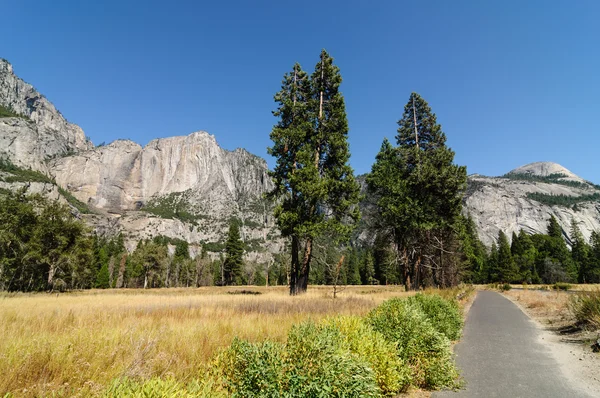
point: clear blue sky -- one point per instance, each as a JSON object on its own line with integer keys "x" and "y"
{"x": 511, "y": 82}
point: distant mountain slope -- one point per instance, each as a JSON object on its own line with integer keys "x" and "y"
{"x": 41, "y": 133}
{"x": 183, "y": 187}
{"x": 526, "y": 197}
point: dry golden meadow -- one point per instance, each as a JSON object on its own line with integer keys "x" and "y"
{"x": 77, "y": 343}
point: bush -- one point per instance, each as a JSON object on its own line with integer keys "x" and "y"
{"x": 561, "y": 286}
{"x": 585, "y": 307}
{"x": 426, "y": 350}
{"x": 445, "y": 315}
{"x": 251, "y": 370}
{"x": 505, "y": 287}
{"x": 320, "y": 363}
{"x": 158, "y": 388}
{"x": 391, "y": 373}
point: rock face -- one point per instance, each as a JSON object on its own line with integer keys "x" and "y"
{"x": 191, "y": 174}
{"x": 141, "y": 192}
{"x": 28, "y": 143}
{"x": 505, "y": 203}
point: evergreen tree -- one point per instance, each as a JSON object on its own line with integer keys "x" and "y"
{"x": 102, "y": 279}
{"x": 474, "y": 252}
{"x": 314, "y": 183}
{"x": 493, "y": 274}
{"x": 524, "y": 253}
{"x": 419, "y": 192}
{"x": 580, "y": 253}
{"x": 507, "y": 271}
{"x": 554, "y": 229}
{"x": 234, "y": 250}
{"x": 367, "y": 271}
{"x": 353, "y": 267}
{"x": 593, "y": 273}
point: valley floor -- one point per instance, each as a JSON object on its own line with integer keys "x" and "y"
{"x": 74, "y": 344}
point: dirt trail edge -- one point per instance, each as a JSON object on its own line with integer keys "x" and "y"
{"x": 501, "y": 355}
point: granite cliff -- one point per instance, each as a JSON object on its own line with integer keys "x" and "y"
{"x": 526, "y": 197}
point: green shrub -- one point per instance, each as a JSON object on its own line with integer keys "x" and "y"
{"x": 391, "y": 373}
{"x": 426, "y": 350}
{"x": 561, "y": 286}
{"x": 251, "y": 370}
{"x": 505, "y": 287}
{"x": 585, "y": 306}
{"x": 445, "y": 315}
{"x": 320, "y": 363}
{"x": 158, "y": 388}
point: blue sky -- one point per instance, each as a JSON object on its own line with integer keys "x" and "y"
{"x": 512, "y": 82}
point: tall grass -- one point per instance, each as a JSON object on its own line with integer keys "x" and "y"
{"x": 77, "y": 344}
{"x": 585, "y": 307}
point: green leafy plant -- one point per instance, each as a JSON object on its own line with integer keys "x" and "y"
{"x": 251, "y": 370}
{"x": 426, "y": 350}
{"x": 320, "y": 364}
{"x": 445, "y": 315}
{"x": 391, "y": 373}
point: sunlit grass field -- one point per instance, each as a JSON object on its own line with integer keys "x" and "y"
{"x": 75, "y": 344}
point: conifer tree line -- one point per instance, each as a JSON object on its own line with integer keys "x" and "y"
{"x": 540, "y": 258}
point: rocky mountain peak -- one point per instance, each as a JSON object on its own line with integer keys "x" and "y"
{"x": 545, "y": 169}
{"x": 45, "y": 134}
{"x": 5, "y": 66}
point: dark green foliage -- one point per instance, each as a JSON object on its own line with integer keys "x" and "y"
{"x": 473, "y": 251}
{"x": 22, "y": 175}
{"x": 234, "y": 250}
{"x": 148, "y": 262}
{"x": 506, "y": 268}
{"x": 419, "y": 195}
{"x": 313, "y": 180}
{"x": 556, "y": 178}
{"x": 103, "y": 278}
{"x": 505, "y": 287}
{"x": 580, "y": 254}
{"x": 173, "y": 206}
{"x": 563, "y": 200}
{"x": 561, "y": 286}
{"x": 73, "y": 201}
{"x": 445, "y": 315}
{"x": 426, "y": 350}
{"x": 6, "y": 111}
{"x": 42, "y": 246}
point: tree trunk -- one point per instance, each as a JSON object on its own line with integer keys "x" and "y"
{"x": 111, "y": 271}
{"x": 121, "y": 277}
{"x": 305, "y": 269}
{"x": 51, "y": 273}
{"x": 295, "y": 266}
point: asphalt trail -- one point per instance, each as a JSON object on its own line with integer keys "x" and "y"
{"x": 500, "y": 355}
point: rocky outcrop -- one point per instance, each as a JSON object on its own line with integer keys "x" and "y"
{"x": 43, "y": 133}
{"x": 146, "y": 188}
{"x": 124, "y": 176}
{"x": 505, "y": 203}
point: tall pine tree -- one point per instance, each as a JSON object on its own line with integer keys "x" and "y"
{"x": 314, "y": 183}
{"x": 234, "y": 250}
{"x": 419, "y": 192}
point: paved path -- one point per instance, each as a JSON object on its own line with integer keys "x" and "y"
{"x": 499, "y": 355}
